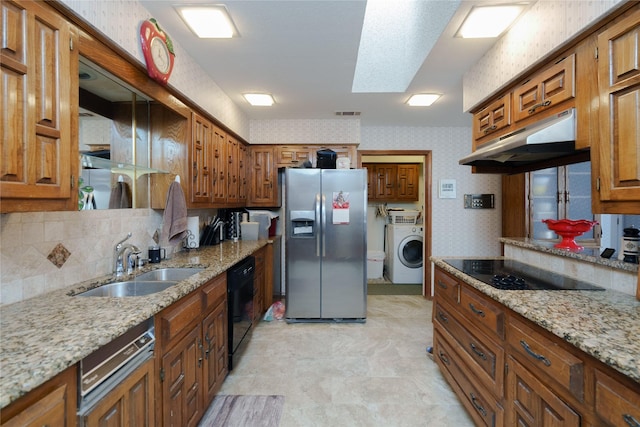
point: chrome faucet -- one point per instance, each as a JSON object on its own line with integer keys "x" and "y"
{"x": 122, "y": 253}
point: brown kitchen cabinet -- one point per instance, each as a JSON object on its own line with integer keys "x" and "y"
{"x": 259, "y": 285}
{"x": 393, "y": 182}
{"x": 507, "y": 369}
{"x": 131, "y": 403}
{"x": 233, "y": 170}
{"x": 545, "y": 90}
{"x": 294, "y": 155}
{"x": 263, "y": 177}
{"x": 492, "y": 119}
{"x": 53, "y": 403}
{"x": 191, "y": 353}
{"x": 39, "y": 71}
{"x": 201, "y": 160}
{"x": 615, "y": 155}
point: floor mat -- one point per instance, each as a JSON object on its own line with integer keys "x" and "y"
{"x": 244, "y": 411}
{"x": 393, "y": 289}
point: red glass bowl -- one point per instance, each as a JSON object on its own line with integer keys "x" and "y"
{"x": 568, "y": 230}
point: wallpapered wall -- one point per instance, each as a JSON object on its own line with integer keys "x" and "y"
{"x": 545, "y": 26}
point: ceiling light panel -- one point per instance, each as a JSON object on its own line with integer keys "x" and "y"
{"x": 396, "y": 38}
{"x": 259, "y": 99}
{"x": 208, "y": 22}
{"x": 423, "y": 99}
{"x": 489, "y": 21}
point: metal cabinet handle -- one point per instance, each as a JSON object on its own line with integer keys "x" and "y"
{"x": 533, "y": 354}
{"x": 442, "y": 317}
{"x": 201, "y": 347}
{"x": 444, "y": 358}
{"x": 630, "y": 419}
{"x": 442, "y": 284}
{"x": 478, "y": 352}
{"x": 476, "y": 311}
{"x": 542, "y": 104}
{"x": 478, "y": 406}
{"x": 208, "y": 350}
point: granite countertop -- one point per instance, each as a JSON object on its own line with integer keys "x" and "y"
{"x": 603, "y": 324}
{"x": 44, "y": 335}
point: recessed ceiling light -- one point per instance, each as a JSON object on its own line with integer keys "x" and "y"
{"x": 423, "y": 99}
{"x": 259, "y": 99}
{"x": 489, "y": 21}
{"x": 208, "y": 22}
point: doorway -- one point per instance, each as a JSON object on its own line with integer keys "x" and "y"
{"x": 425, "y": 156}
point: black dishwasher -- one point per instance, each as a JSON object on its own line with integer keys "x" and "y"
{"x": 240, "y": 306}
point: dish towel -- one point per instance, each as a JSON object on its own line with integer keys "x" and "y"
{"x": 120, "y": 197}
{"x": 174, "y": 219}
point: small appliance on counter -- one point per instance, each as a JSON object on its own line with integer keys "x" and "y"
{"x": 326, "y": 159}
{"x": 631, "y": 245}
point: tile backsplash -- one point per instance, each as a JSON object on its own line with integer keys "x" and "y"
{"x": 44, "y": 251}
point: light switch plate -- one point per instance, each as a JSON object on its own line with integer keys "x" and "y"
{"x": 447, "y": 189}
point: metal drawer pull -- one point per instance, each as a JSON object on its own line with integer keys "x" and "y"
{"x": 444, "y": 358}
{"x": 477, "y": 405}
{"x": 540, "y": 357}
{"x": 490, "y": 129}
{"x": 542, "y": 104}
{"x": 478, "y": 352}
{"x": 442, "y": 317}
{"x": 630, "y": 419}
{"x": 442, "y": 284}
{"x": 476, "y": 311}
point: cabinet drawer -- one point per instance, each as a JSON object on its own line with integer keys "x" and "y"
{"x": 480, "y": 404}
{"x": 484, "y": 357}
{"x": 616, "y": 404}
{"x": 487, "y": 315}
{"x": 214, "y": 292}
{"x": 547, "y": 357}
{"x": 446, "y": 286}
{"x": 174, "y": 320}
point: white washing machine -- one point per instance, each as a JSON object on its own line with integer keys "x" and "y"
{"x": 404, "y": 253}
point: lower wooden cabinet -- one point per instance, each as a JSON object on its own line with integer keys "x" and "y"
{"x": 507, "y": 370}
{"x": 191, "y": 353}
{"x": 130, "y": 404}
{"x": 52, "y": 404}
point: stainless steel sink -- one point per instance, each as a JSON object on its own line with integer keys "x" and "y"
{"x": 172, "y": 274}
{"x": 130, "y": 288}
{"x": 147, "y": 283}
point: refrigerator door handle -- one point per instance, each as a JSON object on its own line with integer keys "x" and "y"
{"x": 323, "y": 208}
{"x": 317, "y": 209}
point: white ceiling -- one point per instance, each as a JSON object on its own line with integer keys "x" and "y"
{"x": 304, "y": 53}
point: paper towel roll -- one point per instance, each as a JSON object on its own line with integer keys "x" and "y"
{"x": 192, "y": 240}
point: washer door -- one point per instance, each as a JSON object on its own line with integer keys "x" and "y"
{"x": 410, "y": 251}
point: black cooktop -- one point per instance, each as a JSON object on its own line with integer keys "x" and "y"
{"x": 513, "y": 275}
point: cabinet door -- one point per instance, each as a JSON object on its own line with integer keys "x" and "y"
{"x": 39, "y": 71}
{"x": 531, "y": 403}
{"x": 201, "y": 155}
{"x": 264, "y": 178}
{"x": 294, "y": 155}
{"x": 618, "y": 153}
{"x": 180, "y": 373}
{"x": 233, "y": 170}
{"x": 617, "y": 404}
{"x": 545, "y": 90}
{"x": 129, "y": 404}
{"x": 53, "y": 404}
{"x": 219, "y": 165}
{"x": 493, "y": 118}
{"x": 407, "y": 180}
{"x": 214, "y": 366}
{"x": 258, "y": 285}
{"x": 243, "y": 170}
{"x": 385, "y": 181}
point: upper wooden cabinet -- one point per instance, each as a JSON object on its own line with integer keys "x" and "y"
{"x": 545, "y": 89}
{"x": 39, "y": 74}
{"x": 616, "y": 153}
{"x": 201, "y": 159}
{"x": 393, "y": 182}
{"x": 294, "y": 155}
{"x": 264, "y": 190}
{"x": 492, "y": 118}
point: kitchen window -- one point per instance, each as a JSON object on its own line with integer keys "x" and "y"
{"x": 561, "y": 192}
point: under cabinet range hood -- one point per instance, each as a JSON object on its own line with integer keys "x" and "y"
{"x": 550, "y": 138}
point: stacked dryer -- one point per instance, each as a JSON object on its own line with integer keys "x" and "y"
{"x": 404, "y": 253}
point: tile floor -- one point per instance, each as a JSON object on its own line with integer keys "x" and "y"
{"x": 372, "y": 374}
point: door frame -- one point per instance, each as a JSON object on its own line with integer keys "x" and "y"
{"x": 427, "y": 214}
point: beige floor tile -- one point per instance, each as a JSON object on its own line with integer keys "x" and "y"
{"x": 372, "y": 374}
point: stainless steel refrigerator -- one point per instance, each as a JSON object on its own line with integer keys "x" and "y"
{"x": 326, "y": 245}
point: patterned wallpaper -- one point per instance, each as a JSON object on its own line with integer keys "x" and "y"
{"x": 545, "y": 26}
{"x": 313, "y": 132}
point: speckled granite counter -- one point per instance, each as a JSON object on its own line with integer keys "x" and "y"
{"x": 605, "y": 325}
{"x": 42, "y": 336}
